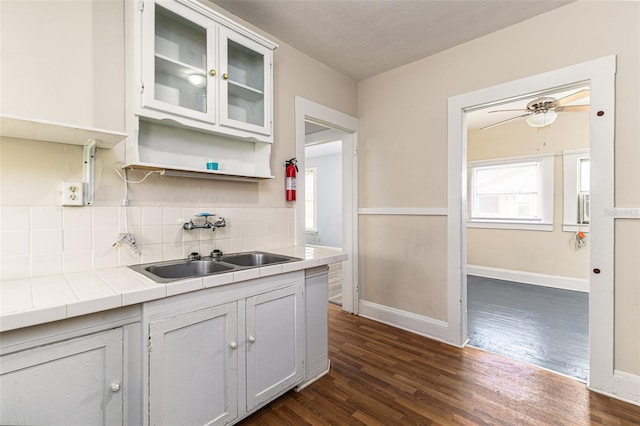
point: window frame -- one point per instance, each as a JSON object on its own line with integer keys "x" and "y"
{"x": 570, "y": 166}
{"x": 546, "y": 165}
{"x": 314, "y": 192}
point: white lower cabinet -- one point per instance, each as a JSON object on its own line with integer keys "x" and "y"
{"x": 193, "y": 367}
{"x": 48, "y": 378}
{"x": 216, "y": 355}
{"x": 274, "y": 343}
{"x": 76, "y": 382}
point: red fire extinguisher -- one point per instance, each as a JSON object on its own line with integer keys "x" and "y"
{"x": 291, "y": 168}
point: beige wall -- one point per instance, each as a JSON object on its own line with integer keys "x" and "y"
{"x": 397, "y": 258}
{"x": 403, "y": 138}
{"x": 541, "y": 252}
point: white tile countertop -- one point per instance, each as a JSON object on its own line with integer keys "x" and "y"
{"x": 38, "y": 300}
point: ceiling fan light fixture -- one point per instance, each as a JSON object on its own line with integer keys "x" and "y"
{"x": 541, "y": 119}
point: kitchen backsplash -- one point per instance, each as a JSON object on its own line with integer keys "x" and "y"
{"x": 41, "y": 240}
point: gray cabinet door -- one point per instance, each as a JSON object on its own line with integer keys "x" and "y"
{"x": 193, "y": 363}
{"x": 75, "y": 382}
{"x": 274, "y": 343}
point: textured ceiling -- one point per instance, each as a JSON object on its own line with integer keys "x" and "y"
{"x": 362, "y": 38}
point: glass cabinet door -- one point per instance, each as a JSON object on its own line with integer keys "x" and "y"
{"x": 245, "y": 91}
{"x": 178, "y": 68}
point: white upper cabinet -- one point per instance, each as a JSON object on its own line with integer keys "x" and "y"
{"x": 245, "y": 88}
{"x": 204, "y": 72}
{"x": 179, "y": 70}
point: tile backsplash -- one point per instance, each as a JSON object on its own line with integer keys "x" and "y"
{"x": 38, "y": 241}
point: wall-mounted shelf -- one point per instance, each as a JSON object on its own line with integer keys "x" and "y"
{"x": 195, "y": 173}
{"x": 50, "y": 131}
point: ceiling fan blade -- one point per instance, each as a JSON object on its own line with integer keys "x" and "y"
{"x": 573, "y": 108}
{"x": 503, "y": 121}
{"x": 573, "y": 97}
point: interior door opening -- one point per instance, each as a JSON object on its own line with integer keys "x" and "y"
{"x": 323, "y": 196}
{"x": 528, "y": 271}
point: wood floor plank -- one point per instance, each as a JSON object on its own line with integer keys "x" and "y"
{"x": 381, "y": 375}
{"x": 543, "y": 326}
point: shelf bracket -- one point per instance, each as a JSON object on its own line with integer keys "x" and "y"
{"x": 88, "y": 169}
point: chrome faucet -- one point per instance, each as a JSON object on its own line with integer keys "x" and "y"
{"x": 220, "y": 223}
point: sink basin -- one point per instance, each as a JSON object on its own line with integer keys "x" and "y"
{"x": 192, "y": 268}
{"x": 253, "y": 259}
{"x": 165, "y": 272}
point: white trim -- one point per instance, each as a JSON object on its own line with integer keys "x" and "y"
{"x": 600, "y": 75}
{"x": 570, "y": 189}
{"x": 544, "y": 280}
{"x": 404, "y": 211}
{"x": 626, "y": 386}
{"x": 526, "y": 226}
{"x": 425, "y": 326}
{"x": 623, "y": 213}
{"x": 511, "y": 160}
{"x": 575, "y": 228}
{"x": 320, "y": 114}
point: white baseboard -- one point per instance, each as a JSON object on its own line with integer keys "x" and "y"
{"x": 626, "y": 386}
{"x": 555, "y": 281}
{"x": 425, "y": 326}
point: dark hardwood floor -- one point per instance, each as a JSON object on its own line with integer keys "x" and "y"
{"x": 381, "y": 375}
{"x": 547, "y": 327}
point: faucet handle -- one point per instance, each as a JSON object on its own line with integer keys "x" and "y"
{"x": 205, "y": 215}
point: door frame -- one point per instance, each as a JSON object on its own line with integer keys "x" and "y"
{"x": 600, "y": 74}
{"x": 306, "y": 110}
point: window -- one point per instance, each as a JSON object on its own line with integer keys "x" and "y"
{"x": 511, "y": 193}
{"x": 310, "y": 199}
{"x": 577, "y": 184}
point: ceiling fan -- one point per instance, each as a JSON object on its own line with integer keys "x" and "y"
{"x": 543, "y": 111}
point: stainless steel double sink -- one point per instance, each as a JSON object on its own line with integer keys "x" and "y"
{"x": 164, "y": 272}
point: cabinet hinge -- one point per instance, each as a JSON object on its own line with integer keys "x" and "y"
{"x": 149, "y": 345}
{"x": 141, "y": 6}
{"x": 141, "y": 87}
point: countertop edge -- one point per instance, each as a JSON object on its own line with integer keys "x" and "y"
{"x": 121, "y": 286}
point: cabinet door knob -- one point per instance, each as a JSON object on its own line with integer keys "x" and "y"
{"x": 233, "y": 345}
{"x": 252, "y": 339}
{"x": 212, "y": 73}
{"x": 115, "y": 387}
{"x": 225, "y": 76}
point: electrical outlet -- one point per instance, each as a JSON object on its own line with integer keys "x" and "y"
{"x": 72, "y": 194}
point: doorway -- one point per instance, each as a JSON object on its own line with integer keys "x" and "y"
{"x": 315, "y": 118}
{"x": 527, "y": 241}
{"x": 323, "y": 196}
{"x": 600, "y": 74}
